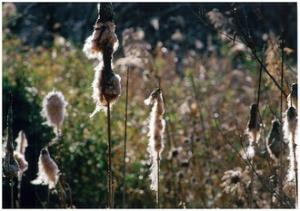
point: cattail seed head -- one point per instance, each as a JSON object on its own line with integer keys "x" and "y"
{"x": 253, "y": 124}
{"x": 293, "y": 96}
{"x": 48, "y": 173}
{"x": 156, "y": 130}
{"x": 289, "y": 129}
{"x": 291, "y": 116}
{"x": 105, "y": 91}
{"x": 22, "y": 163}
{"x": 10, "y": 166}
{"x": 102, "y": 44}
{"x": 19, "y": 153}
{"x": 274, "y": 140}
{"x": 22, "y": 143}
{"x": 54, "y": 105}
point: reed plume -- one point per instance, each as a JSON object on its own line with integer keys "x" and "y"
{"x": 48, "y": 173}
{"x": 156, "y": 131}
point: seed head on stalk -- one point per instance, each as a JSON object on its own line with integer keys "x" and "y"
{"x": 54, "y": 109}
{"x": 48, "y": 173}
{"x": 290, "y": 129}
{"x": 10, "y": 165}
{"x": 274, "y": 140}
{"x": 293, "y": 96}
{"x": 156, "y": 130}
{"x": 253, "y": 131}
{"x": 253, "y": 128}
{"x": 101, "y": 45}
{"x": 19, "y": 153}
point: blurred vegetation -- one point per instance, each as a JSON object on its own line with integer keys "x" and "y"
{"x": 205, "y": 89}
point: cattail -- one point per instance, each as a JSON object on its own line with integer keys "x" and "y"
{"x": 48, "y": 173}
{"x": 106, "y": 84}
{"x": 54, "y": 106}
{"x": 274, "y": 140}
{"x": 102, "y": 44}
{"x": 156, "y": 130}
{"x": 253, "y": 131}
{"x": 290, "y": 126}
{"x": 253, "y": 124}
{"x": 293, "y": 96}
{"x": 106, "y": 89}
{"x": 10, "y": 164}
{"x": 104, "y": 34}
{"x": 19, "y": 153}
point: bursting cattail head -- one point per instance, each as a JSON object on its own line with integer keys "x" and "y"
{"x": 103, "y": 34}
{"x": 293, "y": 96}
{"x": 290, "y": 128}
{"x": 105, "y": 89}
{"x": 22, "y": 143}
{"x": 253, "y": 124}
{"x": 157, "y": 122}
{"x": 54, "y": 106}
{"x": 48, "y": 173}
{"x": 19, "y": 153}
{"x": 102, "y": 44}
{"x": 274, "y": 140}
{"x": 22, "y": 163}
{"x": 290, "y": 122}
{"x": 10, "y": 165}
{"x": 156, "y": 130}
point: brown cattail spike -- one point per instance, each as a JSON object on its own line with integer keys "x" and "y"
{"x": 293, "y": 96}
{"x": 274, "y": 140}
{"x": 253, "y": 127}
{"x": 10, "y": 165}
{"x": 253, "y": 123}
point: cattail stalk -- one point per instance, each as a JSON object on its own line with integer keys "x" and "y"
{"x": 125, "y": 139}
{"x": 106, "y": 85}
{"x": 295, "y": 167}
{"x": 109, "y": 174}
{"x": 157, "y": 192}
{"x": 280, "y": 185}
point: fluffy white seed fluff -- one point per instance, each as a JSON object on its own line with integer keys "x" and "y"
{"x": 156, "y": 131}
{"x": 290, "y": 133}
{"x": 54, "y": 106}
{"x": 101, "y": 95}
{"x": 22, "y": 142}
{"x": 48, "y": 173}
{"x": 103, "y": 33}
{"x": 19, "y": 153}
